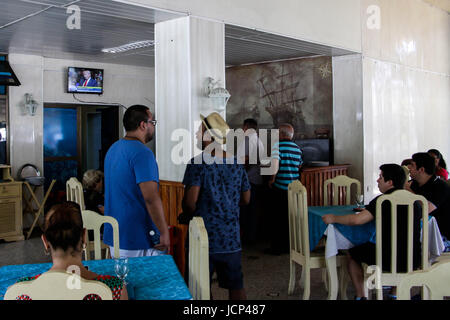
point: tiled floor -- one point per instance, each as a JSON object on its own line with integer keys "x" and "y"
{"x": 266, "y": 277}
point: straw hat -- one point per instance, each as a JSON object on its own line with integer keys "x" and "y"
{"x": 216, "y": 126}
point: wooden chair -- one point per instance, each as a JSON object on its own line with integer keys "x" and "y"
{"x": 58, "y": 285}
{"x": 436, "y": 280}
{"x": 74, "y": 192}
{"x": 93, "y": 221}
{"x": 299, "y": 241}
{"x": 340, "y": 181}
{"x": 393, "y": 278}
{"x": 198, "y": 260}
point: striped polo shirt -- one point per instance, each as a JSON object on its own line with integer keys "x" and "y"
{"x": 290, "y": 156}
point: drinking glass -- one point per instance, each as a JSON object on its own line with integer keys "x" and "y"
{"x": 360, "y": 201}
{"x": 121, "y": 268}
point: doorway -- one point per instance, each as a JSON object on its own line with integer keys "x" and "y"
{"x": 76, "y": 139}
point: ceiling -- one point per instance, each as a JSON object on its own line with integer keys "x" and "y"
{"x": 39, "y": 27}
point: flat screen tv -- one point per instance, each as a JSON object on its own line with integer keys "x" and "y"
{"x": 84, "y": 80}
{"x": 316, "y": 152}
{"x": 7, "y": 76}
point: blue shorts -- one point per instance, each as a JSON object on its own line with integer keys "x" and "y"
{"x": 228, "y": 269}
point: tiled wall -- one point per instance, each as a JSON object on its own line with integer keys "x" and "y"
{"x": 406, "y": 81}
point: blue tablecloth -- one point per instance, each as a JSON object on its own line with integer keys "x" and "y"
{"x": 150, "y": 278}
{"x": 355, "y": 234}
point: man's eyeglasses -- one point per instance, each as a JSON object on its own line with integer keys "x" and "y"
{"x": 153, "y": 122}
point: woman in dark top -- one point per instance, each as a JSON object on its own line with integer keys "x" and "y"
{"x": 441, "y": 166}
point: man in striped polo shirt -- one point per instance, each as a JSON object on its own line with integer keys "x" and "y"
{"x": 287, "y": 161}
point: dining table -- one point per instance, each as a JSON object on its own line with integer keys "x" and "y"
{"x": 342, "y": 237}
{"x": 149, "y": 278}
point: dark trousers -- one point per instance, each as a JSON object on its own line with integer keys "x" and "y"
{"x": 248, "y": 217}
{"x": 279, "y": 233}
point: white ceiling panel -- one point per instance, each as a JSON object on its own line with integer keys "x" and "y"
{"x": 39, "y": 27}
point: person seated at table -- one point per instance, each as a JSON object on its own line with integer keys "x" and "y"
{"x": 435, "y": 190}
{"x": 93, "y": 191}
{"x": 441, "y": 166}
{"x": 392, "y": 178}
{"x": 63, "y": 238}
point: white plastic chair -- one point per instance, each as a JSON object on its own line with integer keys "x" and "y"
{"x": 198, "y": 260}
{"x": 340, "y": 181}
{"x": 393, "y": 278}
{"x": 299, "y": 242}
{"x": 58, "y": 285}
{"x": 93, "y": 221}
{"x": 74, "y": 192}
{"x": 436, "y": 280}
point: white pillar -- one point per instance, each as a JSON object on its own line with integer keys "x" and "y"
{"x": 187, "y": 51}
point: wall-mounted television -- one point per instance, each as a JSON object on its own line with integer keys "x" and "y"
{"x": 84, "y": 80}
{"x": 316, "y": 152}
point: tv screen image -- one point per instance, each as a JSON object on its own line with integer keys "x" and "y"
{"x": 85, "y": 80}
{"x": 316, "y": 152}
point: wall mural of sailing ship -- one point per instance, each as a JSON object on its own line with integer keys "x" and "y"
{"x": 298, "y": 92}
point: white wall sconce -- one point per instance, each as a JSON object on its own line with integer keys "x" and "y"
{"x": 219, "y": 95}
{"x": 30, "y": 104}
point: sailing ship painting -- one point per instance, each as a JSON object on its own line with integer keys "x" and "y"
{"x": 284, "y": 104}
{"x": 298, "y": 92}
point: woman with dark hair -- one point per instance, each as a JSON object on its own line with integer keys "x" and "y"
{"x": 441, "y": 166}
{"x": 64, "y": 238}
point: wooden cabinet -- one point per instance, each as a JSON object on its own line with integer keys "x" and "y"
{"x": 11, "y": 211}
{"x": 171, "y": 195}
{"x": 313, "y": 178}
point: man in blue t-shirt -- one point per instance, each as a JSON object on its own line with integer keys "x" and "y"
{"x": 131, "y": 189}
{"x": 287, "y": 161}
{"x": 215, "y": 187}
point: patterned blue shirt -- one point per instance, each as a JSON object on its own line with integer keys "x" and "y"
{"x": 290, "y": 156}
{"x": 218, "y": 202}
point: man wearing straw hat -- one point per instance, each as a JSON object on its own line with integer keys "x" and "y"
{"x": 215, "y": 186}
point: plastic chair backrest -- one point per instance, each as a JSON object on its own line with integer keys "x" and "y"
{"x": 298, "y": 218}
{"x": 93, "y": 221}
{"x": 198, "y": 260}
{"x": 74, "y": 192}
{"x": 401, "y": 197}
{"x": 436, "y": 279}
{"x": 340, "y": 181}
{"x": 58, "y": 285}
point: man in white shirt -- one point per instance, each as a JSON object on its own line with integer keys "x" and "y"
{"x": 248, "y": 154}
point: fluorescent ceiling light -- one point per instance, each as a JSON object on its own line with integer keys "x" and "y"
{"x": 130, "y": 46}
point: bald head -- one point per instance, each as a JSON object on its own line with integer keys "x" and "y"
{"x": 286, "y": 131}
